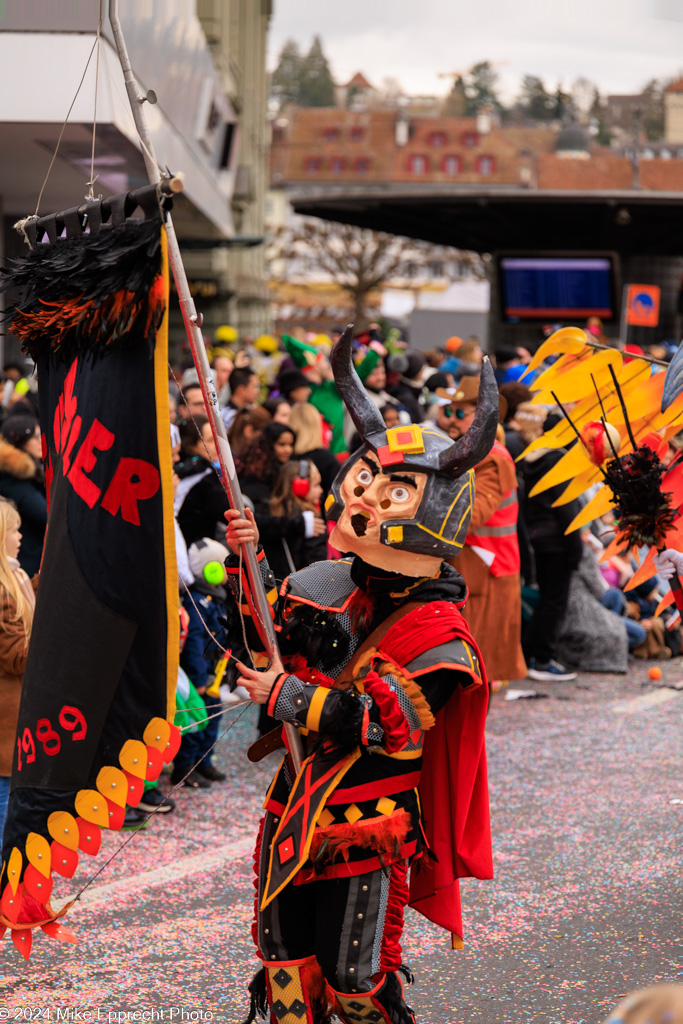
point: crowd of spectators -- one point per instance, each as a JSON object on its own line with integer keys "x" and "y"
{"x": 541, "y": 601}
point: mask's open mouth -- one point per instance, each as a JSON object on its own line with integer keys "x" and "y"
{"x": 359, "y": 523}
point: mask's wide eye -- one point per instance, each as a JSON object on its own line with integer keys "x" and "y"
{"x": 399, "y": 494}
{"x": 364, "y": 477}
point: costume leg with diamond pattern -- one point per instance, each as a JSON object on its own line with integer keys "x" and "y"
{"x": 383, "y": 1005}
{"x": 337, "y": 925}
{"x": 339, "y": 921}
{"x": 296, "y": 992}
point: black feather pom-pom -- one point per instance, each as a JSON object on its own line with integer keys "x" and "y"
{"x": 643, "y": 512}
{"x": 314, "y": 633}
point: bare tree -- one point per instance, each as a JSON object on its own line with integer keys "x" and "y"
{"x": 390, "y": 92}
{"x": 360, "y": 260}
{"x": 583, "y": 94}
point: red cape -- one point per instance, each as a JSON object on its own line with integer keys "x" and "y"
{"x": 454, "y": 785}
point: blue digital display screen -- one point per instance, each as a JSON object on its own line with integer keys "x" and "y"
{"x": 556, "y": 287}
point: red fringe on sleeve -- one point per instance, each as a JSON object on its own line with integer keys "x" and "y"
{"x": 391, "y": 718}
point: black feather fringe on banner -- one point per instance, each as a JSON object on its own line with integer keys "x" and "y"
{"x": 86, "y": 296}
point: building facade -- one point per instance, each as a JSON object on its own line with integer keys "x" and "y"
{"x": 202, "y": 124}
{"x": 237, "y": 31}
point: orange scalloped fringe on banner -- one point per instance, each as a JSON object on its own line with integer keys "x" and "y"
{"x": 24, "y": 903}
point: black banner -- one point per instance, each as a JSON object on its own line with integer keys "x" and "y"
{"x": 99, "y": 689}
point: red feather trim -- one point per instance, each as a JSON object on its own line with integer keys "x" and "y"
{"x": 107, "y": 320}
{"x": 391, "y": 954}
{"x": 384, "y": 835}
{"x": 320, "y": 997}
{"x": 257, "y": 861}
{"x": 392, "y": 719}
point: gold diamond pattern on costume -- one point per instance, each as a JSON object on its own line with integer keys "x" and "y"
{"x": 288, "y": 1002}
{"x": 326, "y": 818}
{"x": 360, "y": 1008}
{"x": 353, "y": 813}
{"x": 385, "y": 806}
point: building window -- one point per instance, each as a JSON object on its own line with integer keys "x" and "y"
{"x": 437, "y": 140}
{"x": 418, "y": 164}
{"x": 337, "y": 164}
{"x": 331, "y": 134}
{"x": 486, "y": 165}
{"x": 313, "y": 164}
{"x": 362, "y": 165}
{"x": 451, "y": 164}
{"x": 357, "y": 134}
{"x": 470, "y": 139}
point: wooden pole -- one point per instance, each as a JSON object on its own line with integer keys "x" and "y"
{"x": 192, "y": 321}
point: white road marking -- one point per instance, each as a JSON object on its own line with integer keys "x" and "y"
{"x": 98, "y": 896}
{"x": 645, "y": 701}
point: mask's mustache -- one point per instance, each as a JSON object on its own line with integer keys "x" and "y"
{"x": 359, "y": 523}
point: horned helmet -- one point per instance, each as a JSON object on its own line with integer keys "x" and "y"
{"x": 422, "y": 501}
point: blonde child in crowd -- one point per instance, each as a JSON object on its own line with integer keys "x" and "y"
{"x": 17, "y": 602}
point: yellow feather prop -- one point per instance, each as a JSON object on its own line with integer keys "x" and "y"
{"x": 573, "y": 462}
{"x": 576, "y": 384}
{"x": 573, "y": 378}
{"x": 579, "y": 485}
{"x": 599, "y": 504}
{"x": 567, "y": 339}
{"x": 563, "y": 366}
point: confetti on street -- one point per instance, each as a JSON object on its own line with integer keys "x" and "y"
{"x": 586, "y": 809}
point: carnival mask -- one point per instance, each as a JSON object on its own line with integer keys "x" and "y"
{"x": 403, "y": 501}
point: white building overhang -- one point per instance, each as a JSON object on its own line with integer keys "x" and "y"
{"x": 39, "y": 77}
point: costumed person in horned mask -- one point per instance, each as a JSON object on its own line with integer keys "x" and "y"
{"x": 385, "y": 682}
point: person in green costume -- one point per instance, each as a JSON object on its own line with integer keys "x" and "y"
{"x": 325, "y": 396}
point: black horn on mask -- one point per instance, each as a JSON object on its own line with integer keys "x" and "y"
{"x": 475, "y": 445}
{"x": 365, "y": 415}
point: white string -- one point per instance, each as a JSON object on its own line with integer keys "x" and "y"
{"x": 54, "y": 155}
{"x": 91, "y": 183}
{"x": 217, "y": 714}
{"x": 241, "y": 588}
{"x": 156, "y": 810}
{"x": 199, "y": 433}
{"x": 226, "y": 651}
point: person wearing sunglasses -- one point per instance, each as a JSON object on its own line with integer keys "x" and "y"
{"x": 450, "y": 418}
{"x": 489, "y": 561}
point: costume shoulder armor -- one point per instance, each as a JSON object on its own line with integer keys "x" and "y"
{"x": 323, "y": 584}
{"x": 455, "y": 654}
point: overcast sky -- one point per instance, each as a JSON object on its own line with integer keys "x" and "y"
{"x": 619, "y": 44}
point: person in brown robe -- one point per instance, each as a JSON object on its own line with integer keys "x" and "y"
{"x": 489, "y": 561}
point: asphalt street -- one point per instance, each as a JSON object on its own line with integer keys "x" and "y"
{"x": 587, "y": 810}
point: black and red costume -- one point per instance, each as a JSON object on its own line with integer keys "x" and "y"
{"x": 384, "y": 680}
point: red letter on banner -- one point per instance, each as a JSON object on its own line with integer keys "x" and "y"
{"x": 133, "y": 481}
{"x": 98, "y": 437}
